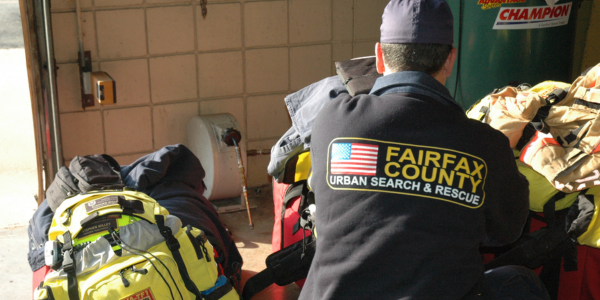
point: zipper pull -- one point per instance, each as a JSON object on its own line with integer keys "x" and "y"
{"x": 140, "y": 271}
{"x": 66, "y": 216}
{"x": 125, "y": 281}
{"x": 203, "y": 240}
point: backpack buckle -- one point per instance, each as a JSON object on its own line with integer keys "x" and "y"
{"x": 67, "y": 263}
{"x": 171, "y": 241}
{"x": 53, "y": 255}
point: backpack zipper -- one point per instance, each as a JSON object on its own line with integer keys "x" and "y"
{"x": 202, "y": 241}
{"x": 125, "y": 281}
{"x": 64, "y": 219}
{"x": 198, "y": 242}
{"x": 133, "y": 269}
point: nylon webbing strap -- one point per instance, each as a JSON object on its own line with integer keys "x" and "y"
{"x": 174, "y": 246}
{"x": 550, "y": 273}
{"x": 587, "y": 104}
{"x": 69, "y": 266}
{"x": 195, "y": 242}
{"x": 556, "y": 96}
{"x": 293, "y": 191}
{"x": 258, "y": 283}
{"x": 131, "y": 206}
{"x": 49, "y": 293}
{"x": 217, "y": 245}
{"x": 301, "y": 207}
{"x": 541, "y": 247}
{"x": 573, "y": 134}
{"x": 550, "y": 209}
{"x": 89, "y": 219}
{"x": 283, "y": 267}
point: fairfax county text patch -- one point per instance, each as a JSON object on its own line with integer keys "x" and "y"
{"x": 379, "y": 166}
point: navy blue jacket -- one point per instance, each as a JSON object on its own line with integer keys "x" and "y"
{"x": 407, "y": 189}
{"x": 173, "y": 177}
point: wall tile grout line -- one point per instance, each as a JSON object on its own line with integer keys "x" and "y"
{"x": 180, "y": 101}
{"x": 353, "y": 21}
{"x": 244, "y": 75}
{"x": 126, "y": 7}
{"x": 196, "y": 24}
{"x": 320, "y": 43}
{"x": 144, "y": 3}
{"x": 353, "y": 24}
{"x": 99, "y": 61}
{"x": 289, "y": 49}
{"x": 190, "y": 100}
{"x": 332, "y": 63}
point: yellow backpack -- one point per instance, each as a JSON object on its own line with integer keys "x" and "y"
{"x": 122, "y": 244}
{"x": 583, "y": 221}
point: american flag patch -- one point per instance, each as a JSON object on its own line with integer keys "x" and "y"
{"x": 354, "y": 159}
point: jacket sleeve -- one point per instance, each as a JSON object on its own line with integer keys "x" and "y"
{"x": 508, "y": 208}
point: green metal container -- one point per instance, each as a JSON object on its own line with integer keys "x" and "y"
{"x": 502, "y": 42}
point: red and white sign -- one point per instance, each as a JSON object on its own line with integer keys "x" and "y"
{"x": 533, "y": 17}
{"x": 141, "y": 295}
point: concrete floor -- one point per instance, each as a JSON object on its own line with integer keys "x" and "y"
{"x": 11, "y": 34}
{"x": 18, "y": 179}
{"x": 255, "y": 244}
{"x": 15, "y": 274}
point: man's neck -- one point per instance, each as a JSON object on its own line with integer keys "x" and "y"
{"x": 439, "y": 76}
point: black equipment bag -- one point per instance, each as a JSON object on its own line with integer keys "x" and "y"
{"x": 283, "y": 267}
{"x": 359, "y": 74}
{"x": 85, "y": 173}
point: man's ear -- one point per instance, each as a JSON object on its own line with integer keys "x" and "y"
{"x": 449, "y": 64}
{"x": 379, "y": 59}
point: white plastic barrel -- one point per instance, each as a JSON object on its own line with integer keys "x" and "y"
{"x": 219, "y": 160}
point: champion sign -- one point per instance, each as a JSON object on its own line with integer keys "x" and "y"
{"x": 533, "y": 17}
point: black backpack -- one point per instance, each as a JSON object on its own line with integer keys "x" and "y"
{"x": 85, "y": 173}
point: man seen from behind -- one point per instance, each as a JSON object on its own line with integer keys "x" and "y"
{"x": 407, "y": 187}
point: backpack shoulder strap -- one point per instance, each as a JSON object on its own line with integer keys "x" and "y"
{"x": 548, "y": 247}
{"x": 69, "y": 267}
{"x": 173, "y": 245}
{"x": 283, "y": 267}
{"x": 296, "y": 189}
{"x": 540, "y": 247}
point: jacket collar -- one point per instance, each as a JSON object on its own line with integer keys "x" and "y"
{"x": 415, "y": 82}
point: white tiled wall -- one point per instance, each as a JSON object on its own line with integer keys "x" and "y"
{"x": 221, "y": 29}
{"x": 128, "y": 130}
{"x": 170, "y": 63}
{"x": 173, "y": 78}
{"x": 121, "y": 33}
{"x": 220, "y": 74}
{"x": 265, "y": 23}
{"x": 267, "y": 70}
